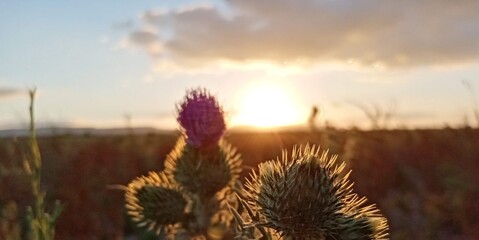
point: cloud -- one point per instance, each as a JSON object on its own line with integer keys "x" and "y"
{"x": 386, "y": 33}
{"x": 10, "y": 92}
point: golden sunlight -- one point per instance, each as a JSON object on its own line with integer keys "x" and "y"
{"x": 268, "y": 105}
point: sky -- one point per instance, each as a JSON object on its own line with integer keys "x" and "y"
{"x": 99, "y": 63}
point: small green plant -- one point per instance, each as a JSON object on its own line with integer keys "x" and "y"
{"x": 41, "y": 223}
{"x": 198, "y": 194}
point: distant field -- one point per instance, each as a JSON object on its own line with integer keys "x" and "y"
{"x": 424, "y": 181}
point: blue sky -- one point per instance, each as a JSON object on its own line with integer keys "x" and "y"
{"x": 95, "y": 61}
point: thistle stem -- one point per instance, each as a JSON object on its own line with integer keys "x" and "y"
{"x": 201, "y": 214}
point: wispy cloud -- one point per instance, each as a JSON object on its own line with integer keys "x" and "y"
{"x": 404, "y": 33}
{"x": 10, "y": 92}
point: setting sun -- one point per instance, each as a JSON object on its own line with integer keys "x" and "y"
{"x": 268, "y": 105}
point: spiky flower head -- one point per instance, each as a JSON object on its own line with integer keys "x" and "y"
{"x": 203, "y": 173}
{"x": 309, "y": 197}
{"x": 153, "y": 201}
{"x": 201, "y": 117}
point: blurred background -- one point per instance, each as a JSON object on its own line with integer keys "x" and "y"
{"x": 389, "y": 86}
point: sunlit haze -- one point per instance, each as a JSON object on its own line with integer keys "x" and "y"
{"x": 268, "y": 105}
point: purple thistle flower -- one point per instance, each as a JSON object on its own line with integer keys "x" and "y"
{"x": 201, "y": 118}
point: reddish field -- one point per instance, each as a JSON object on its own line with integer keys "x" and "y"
{"x": 424, "y": 181}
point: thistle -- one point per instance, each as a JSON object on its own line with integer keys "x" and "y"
{"x": 190, "y": 196}
{"x": 199, "y": 154}
{"x": 201, "y": 118}
{"x": 203, "y": 172}
{"x": 309, "y": 197}
{"x": 305, "y": 196}
{"x": 154, "y": 202}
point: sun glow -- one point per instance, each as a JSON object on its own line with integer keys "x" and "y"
{"x": 268, "y": 105}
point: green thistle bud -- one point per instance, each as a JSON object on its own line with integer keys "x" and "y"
{"x": 308, "y": 197}
{"x": 154, "y": 202}
{"x": 203, "y": 172}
